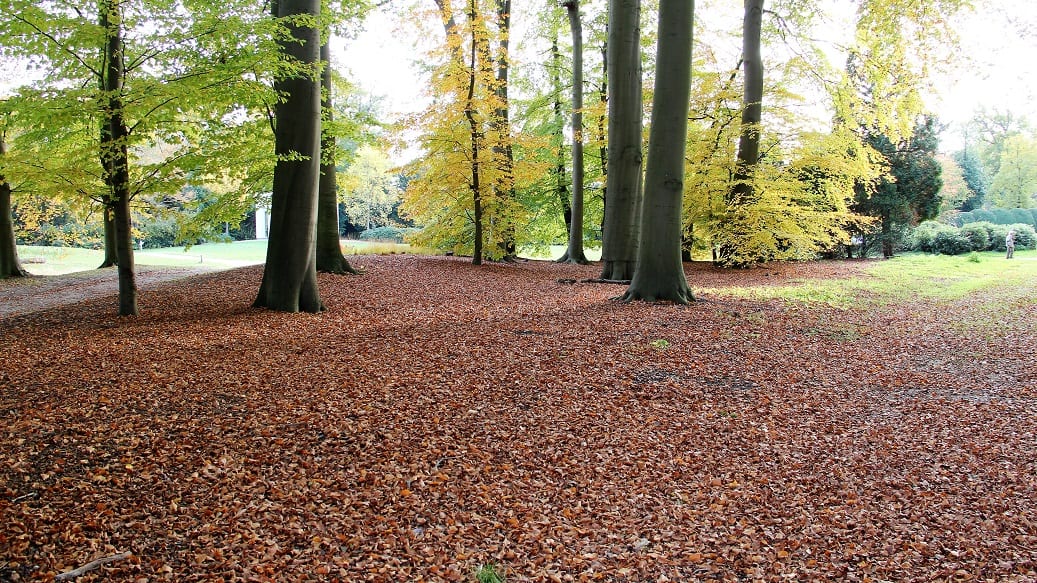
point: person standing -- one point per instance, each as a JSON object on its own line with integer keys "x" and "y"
{"x": 1010, "y": 244}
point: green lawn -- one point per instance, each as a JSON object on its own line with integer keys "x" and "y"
{"x": 59, "y": 260}
{"x": 911, "y": 275}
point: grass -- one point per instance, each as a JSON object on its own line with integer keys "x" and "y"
{"x": 60, "y": 260}
{"x": 488, "y": 574}
{"x": 940, "y": 278}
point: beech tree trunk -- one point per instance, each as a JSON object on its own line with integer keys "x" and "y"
{"x": 559, "y": 133}
{"x": 742, "y": 193}
{"x": 476, "y": 138}
{"x": 111, "y": 257}
{"x": 660, "y": 273}
{"x": 574, "y": 253}
{"x": 290, "y": 276}
{"x": 115, "y": 154}
{"x": 623, "y": 184}
{"x": 329, "y": 246}
{"x": 504, "y": 152}
{"x": 9, "y": 264}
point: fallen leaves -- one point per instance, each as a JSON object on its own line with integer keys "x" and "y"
{"x": 440, "y": 417}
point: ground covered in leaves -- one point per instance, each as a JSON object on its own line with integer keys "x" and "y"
{"x": 440, "y": 417}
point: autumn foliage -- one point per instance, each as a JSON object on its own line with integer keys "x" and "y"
{"x": 438, "y": 417}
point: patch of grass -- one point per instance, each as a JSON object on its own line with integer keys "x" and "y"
{"x": 58, "y": 260}
{"x": 381, "y": 248}
{"x": 660, "y": 344}
{"x": 939, "y": 278}
{"x": 488, "y": 574}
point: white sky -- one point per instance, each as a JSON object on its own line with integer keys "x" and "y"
{"x": 997, "y": 64}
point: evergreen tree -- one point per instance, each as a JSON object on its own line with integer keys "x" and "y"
{"x": 975, "y": 179}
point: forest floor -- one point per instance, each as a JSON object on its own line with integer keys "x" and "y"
{"x": 440, "y": 418}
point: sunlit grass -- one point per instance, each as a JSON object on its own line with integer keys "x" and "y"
{"x": 939, "y": 278}
{"x": 60, "y": 260}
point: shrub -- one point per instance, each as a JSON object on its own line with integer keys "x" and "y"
{"x": 159, "y": 233}
{"x": 1021, "y": 216}
{"x": 950, "y": 241}
{"x": 982, "y": 215}
{"x": 1025, "y": 236}
{"x": 387, "y": 234}
{"x": 977, "y": 234}
{"x": 965, "y": 218}
{"x": 923, "y": 235}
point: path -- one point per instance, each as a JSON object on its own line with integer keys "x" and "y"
{"x": 21, "y": 296}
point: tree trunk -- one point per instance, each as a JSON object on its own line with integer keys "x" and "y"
{"x": 602, "y": 137}
{"x": 115, "y": 155}
{"x": 623, "y": 184}
{"x": 574, "y": 253}
{"x": 9, "y": 264}
{"x": 504, "y": 152}
{"x": 329, "y": 247}
{"x": 660, "y": 273}
{"x": 111, "y": 257}
{"x": 476, "y": 137}
{"x": 742, "y": 193}
{"x": 290, "y": 277}
{"x": 560, "y": 177}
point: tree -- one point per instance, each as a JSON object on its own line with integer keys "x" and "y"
{"x": 290, "y": 277}
{"x": 9, "y": 264}
{"x": 1015, "y": 185}
{"x": 975, "y": 179}
{"x": 574, "y": 253}
{"x": 370, "y": 191}
{"x": 328, "y": 246}
{"x": 660, "y": 274}
{"x": 623, "y": 187}
{"x": 130, "y": 78}
{"x": 742, "y": 194}
{"x": 911, "y": 192}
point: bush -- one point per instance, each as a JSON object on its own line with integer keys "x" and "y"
{"x": 978, "y": 236}
{"x": 923, "y": 235}
{"x": 1021, "y": 216}
{"x": 159, "y": 233}
{"x": 1025, "y": 236}
{"x": 951, "y": 241}
{"x": 983, "y": 216}
{"x": 387, "y": 234}
{"x": 965, "y": 218}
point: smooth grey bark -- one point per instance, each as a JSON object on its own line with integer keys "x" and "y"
{"x": 114, "y": 154}
{"x": 502, "y": 121}
{"x": 9, "y": 264}
{"x": 574, "y": 253}
{"x": 290, "y": 276}
{"x": 623, "y": 184}
{"x": 660, "y": 273}
{"x": 328, "y": 247}
{"x": 111, "y": 257}
{"x": 742, "y": 192}
{"x": 561, "y": 181}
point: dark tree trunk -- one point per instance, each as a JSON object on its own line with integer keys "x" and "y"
{"x": 559, "y": 135}
{"x": 115, "y": 155}
{"x": 574, "y": 253}
{"x": 623, "y": 185}
{"x": 660, "y": 273}
{"x": 476, "y": 137}
{"x": 290, "y": 277}
{"x": 9, "y": 264}
{"x": 742, "y": 193}
{"x": 329, "y": 247}
{"x": 602, "y": 137}
{"x": 111, "y": 257}
{"x": 502, "y": 121}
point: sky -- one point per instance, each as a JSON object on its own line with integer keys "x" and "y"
{"x": 996, "y": 65}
